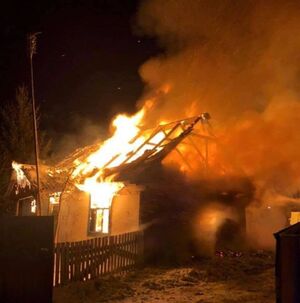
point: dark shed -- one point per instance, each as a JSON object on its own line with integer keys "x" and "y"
{"x": 288, "y": 264}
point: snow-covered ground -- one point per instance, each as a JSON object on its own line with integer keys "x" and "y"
{"x": 244, "y": 279}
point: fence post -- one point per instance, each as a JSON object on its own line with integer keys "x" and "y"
{"x": 88, "y": 259}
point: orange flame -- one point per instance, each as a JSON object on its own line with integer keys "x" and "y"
{"x": 125, "y": 145}
{"x": 110, "y": 154}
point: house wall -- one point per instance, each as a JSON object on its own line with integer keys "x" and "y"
{"x": 73, "y": 217}
{"x": 125, "y": 211}
{"x": 74, "y": 213}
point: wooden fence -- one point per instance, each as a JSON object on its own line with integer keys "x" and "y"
{"x": 89, "y": 259}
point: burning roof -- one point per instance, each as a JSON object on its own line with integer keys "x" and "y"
{"x": 23, "y": 180}
{"x": 152, "y": 145}
{"x": 137, "y": 151}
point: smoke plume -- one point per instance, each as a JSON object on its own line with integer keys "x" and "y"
{"x": 238, "y": 60}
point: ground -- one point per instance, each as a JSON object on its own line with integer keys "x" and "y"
{"x": 232, "y": 278}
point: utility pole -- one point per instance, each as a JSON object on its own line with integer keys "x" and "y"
{"x": 32, "y": 41}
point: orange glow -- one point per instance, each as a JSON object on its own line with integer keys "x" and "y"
{"x": 110, "y": 154}
{"x": 22, "y": 180}
{"x": 118, "y": 149}
{"x": 166, "y": 88}
{"x": 129, "y": 142}
{"x": 126, "y": 128}
{"x": 101, "y": 193}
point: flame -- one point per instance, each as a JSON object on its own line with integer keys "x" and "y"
{"x": 128, "y": 143}
{"x": 22, "y": 180}
{"x": 102, "y": 192}
{"x": 117, "y": 147}
{"x": 125, "y": 145}
{"x": 112, "y": 153}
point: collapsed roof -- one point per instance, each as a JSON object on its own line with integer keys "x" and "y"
{"x": 54, "y": 178}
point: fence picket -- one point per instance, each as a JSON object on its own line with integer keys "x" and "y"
{"x": 92, "y": 258}
{"x": 57, "y": 264}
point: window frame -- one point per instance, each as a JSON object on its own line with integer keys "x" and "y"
{"x": 94, "y": 232}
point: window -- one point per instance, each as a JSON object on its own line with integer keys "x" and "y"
{"x": 99, "y": 220}
{"x": 26, "y": 206}
{"x": 54, "y": 199}
{"x": 99, "y": 216}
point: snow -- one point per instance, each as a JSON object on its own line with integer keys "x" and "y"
{"x": 244, "y": 279}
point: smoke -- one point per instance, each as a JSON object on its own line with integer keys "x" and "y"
{"x": 238, "y": 60}
{"x": 209, "y": 220}
{"x": 83, "y": 132}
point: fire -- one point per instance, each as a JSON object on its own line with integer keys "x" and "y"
{"x": 112, "y": 153}
{"x": 22, "y": 180}
{"x": 114, "y": 150}
{"x": 101, "y": 193}
{"x": 128, "y": 143}
{"x": 125, "y": 145}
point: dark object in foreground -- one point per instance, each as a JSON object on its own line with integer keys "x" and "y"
{"x": 26, "y": 259}
{"x": 288, "y": 264}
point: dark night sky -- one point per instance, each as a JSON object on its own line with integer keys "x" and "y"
{"x": 87, "y": 61}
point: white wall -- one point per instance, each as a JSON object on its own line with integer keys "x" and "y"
{"x": 125, "y": 212}
{"x": 73, "y": 217}
{"x": 74, "y": 212}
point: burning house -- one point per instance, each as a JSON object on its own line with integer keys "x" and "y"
{"x": 96, "y": 190}
{"x": 108, "y": 188}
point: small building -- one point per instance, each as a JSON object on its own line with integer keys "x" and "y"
{"x": 77, "y": 213}
{"x": 77, "y": 216}
{"x": 85, "y": 220}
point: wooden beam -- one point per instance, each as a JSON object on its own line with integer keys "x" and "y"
{"x": 195, "y": 147}
{"x": 155, "y": 146}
